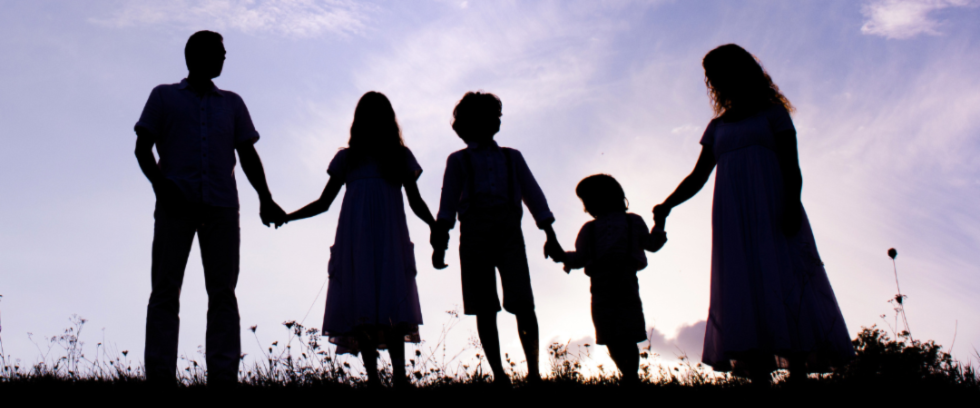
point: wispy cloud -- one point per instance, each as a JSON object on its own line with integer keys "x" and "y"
{"x": 547, "y": 56}
{"x": 290, "y": 18}
{"x": 901, "y": 19}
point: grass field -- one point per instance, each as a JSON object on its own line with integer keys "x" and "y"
{"x": 885, "y": 368}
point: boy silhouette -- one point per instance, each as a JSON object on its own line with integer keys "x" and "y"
{"x": 485, "y": 184}
{"x": 197, "y": 128}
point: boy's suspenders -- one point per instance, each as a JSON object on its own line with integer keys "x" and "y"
{"x": 471, "y": 174}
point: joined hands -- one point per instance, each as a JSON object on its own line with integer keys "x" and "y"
{"x": 439, "y": 239}
{"x": 552, "y": 249}
{"x": 271, "y": 213}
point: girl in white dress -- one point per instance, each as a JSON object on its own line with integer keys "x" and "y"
{"x": 772, "y": 305}
{"x": 372, "y": 300}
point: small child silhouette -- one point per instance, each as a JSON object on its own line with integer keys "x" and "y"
{"x": 610, "y": 248}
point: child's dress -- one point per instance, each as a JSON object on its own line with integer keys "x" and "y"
{"x": 611, "y": 249}
{"x": 372, "y": 261}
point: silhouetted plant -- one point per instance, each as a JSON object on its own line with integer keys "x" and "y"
{"x": 899, "y": 299}
{"x": 304, "y": 362}
{"x": 903, "y": 360}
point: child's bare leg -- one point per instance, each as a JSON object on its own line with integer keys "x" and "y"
{"x": 369, "y": 353}
{"x": 396, "y": 349}
{"x": 486, "y": 326}
{"x": 627, "y": 359}
{"x": 527, "y": 329}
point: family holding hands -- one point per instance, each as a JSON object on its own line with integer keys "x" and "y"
{"x": 771, "y": 302}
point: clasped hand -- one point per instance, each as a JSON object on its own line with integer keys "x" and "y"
{"x": 271, "y": 213}
{"x": 552, "y": 249}
{"x": 439, "y": 239}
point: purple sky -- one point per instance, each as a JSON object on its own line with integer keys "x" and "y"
{"x": 888, "y": 100}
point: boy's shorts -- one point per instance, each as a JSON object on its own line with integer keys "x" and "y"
{"x": 494, "y": 242}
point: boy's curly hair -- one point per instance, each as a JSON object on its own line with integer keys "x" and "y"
{"x": 474, "y": 111}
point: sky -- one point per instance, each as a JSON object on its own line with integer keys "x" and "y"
{"x": 888, "y": 116}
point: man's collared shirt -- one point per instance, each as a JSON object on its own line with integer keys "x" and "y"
{"x": 490, "y": 172}
{"x": 196, "y": 136}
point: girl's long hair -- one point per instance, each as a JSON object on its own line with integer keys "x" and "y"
{"x": 375, "y": 135}
{"x": 736, "y": 79}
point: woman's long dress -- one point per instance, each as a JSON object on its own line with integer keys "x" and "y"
{"x": 372, "y": 261}
{"x": 770, "y": 295}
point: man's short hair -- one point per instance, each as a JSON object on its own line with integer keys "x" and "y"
{"x": 198, "y": 42}
{"x": 474, "y": 108}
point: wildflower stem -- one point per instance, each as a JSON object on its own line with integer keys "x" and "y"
{"x": 901, "y": 299}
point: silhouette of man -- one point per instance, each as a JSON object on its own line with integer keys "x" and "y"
{"x": 197, "y": 128}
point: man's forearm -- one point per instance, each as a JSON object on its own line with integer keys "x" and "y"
{"x": 144, "y": 156}
{"x": 252, "y": 167}
{"x": 149, "y": 166}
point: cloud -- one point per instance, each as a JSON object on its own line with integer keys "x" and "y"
{"x": 679, "y": 130}
{"x": 901, "y": 19}
{"x": 546, "y": 58}
{"x": 688, "y": 341}
{"x": 289, "y": 18}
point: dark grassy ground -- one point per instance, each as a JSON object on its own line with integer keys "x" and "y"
{"x": 889, "y": 370}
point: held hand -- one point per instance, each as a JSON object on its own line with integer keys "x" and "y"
{"x": 438, "y": 237}
{"x": 660, "y": 213}
{"x": 271, "y": 213}
{"x": 792, "y": 219}
{"x": 439, "y": 259}
{"x": 553, "y": 250}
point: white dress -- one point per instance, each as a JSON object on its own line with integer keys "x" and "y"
{"x": 372, "y": 261}
{"x": 770, "y": 296}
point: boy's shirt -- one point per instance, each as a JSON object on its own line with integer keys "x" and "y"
{"x": 614, "y": 234}
{"x": 490, "y": 184}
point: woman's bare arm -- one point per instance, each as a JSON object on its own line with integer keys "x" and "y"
{"x": 691, "y": 185}
{"x": 322, "y": 204}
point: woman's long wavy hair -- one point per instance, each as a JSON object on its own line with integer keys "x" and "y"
{"x": 375, "y": 135}
{"x": 736, "y": 79}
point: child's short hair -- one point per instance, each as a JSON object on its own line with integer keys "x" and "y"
{"x": 474, "y": 110}
{"x": 601, "y": 194}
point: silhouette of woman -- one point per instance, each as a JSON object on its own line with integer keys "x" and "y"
{"x": 772, "y": 305}
{"x": 372, "y": 298}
